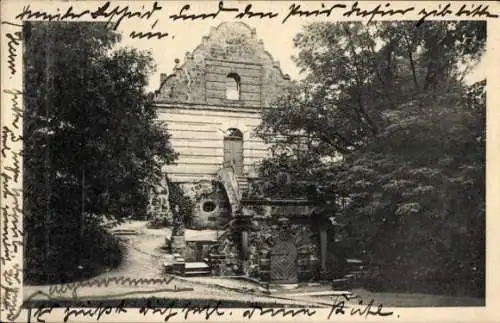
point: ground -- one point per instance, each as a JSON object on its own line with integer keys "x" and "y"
{"x": 144, "y": 257}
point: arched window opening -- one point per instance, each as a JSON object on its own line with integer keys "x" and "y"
{"x": 233, "y": 86}
{"x": 234, "y": 133}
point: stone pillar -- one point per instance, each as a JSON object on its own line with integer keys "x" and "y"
{"x": 242, "y": 222}
{"x": 244, "y": 251}
{"x": 178, "y": 239}
{"x": 244, "y": 244}
{"x": 265, "y": 265}
{"x": 323, "y": 238}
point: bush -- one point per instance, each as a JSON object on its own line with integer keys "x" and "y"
{"x": 177, "y": 197}
{"x": 73, "y": 260}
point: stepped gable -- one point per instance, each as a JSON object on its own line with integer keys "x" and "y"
{"x": 229, "y": 49}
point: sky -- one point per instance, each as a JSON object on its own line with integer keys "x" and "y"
{"x": 187, "y": 36}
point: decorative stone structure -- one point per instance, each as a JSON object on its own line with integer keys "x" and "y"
{"x": 278, "y": 248}
{"x": 212, "y": 103}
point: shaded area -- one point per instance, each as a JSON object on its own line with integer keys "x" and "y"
{"x": 91, "y": 148}
{"x": 393, "y": 136}
{"x": 418, "y": 299}
{"x": 99, "y": 251}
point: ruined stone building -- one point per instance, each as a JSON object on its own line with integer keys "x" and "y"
{"x": 212, "y": 103}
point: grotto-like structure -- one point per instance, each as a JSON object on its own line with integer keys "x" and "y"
{"x": 212, "y": 103}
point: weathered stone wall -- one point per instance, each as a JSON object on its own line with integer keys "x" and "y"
{"x": 207, "y": 192}
{"x": 261, "y": 243}
{"x": 197, "y": 134}
{"x": 192, "y": 101}
{"x": 229, "y": 48}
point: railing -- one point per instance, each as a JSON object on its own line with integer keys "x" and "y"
{"x": 232, "y": 178}
{"x": 228, "y": 179}
{"x": 229, "y": 164}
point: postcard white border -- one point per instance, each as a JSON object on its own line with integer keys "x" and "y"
{"x": 13, "y": 82}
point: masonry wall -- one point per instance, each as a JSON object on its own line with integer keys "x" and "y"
{"x": 229, "y": 48}
{"x": 192, "y": 101}
{"x": 198, "y": 137}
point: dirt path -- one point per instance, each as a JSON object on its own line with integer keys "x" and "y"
{"x": 143, "y": 260}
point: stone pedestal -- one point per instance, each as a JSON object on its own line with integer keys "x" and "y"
{"x": 178, "y": 244}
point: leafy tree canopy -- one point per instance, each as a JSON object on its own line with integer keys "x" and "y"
{"x": 92, "y": 147}
{"x": 385, "y": 120}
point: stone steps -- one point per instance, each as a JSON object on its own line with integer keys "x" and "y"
{"x": 124, "y": 232}
{"x": 191, "y": 269}
{"x": 356, "y": 273}
{"x": 192, "y": 273}
{"x": 242, "y": 184}
{"x": 340, "y": 283}
{"x": 353, "y": 277}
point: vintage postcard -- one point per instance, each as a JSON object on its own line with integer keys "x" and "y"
{"x": 170, "y": 161}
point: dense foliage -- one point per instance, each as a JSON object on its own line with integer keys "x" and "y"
{"x": 385, "y": 121}
{"x": 92, "y": 147}
{"x": 182, "y": 208}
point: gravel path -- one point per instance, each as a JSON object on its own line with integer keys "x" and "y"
{"x": 143, "y": 259}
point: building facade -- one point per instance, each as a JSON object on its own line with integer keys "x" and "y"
{"x": 212, "y": 103}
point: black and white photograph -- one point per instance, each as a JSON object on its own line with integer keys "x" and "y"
{"x": 187, "y": 159}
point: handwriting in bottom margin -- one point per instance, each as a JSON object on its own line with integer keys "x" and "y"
{"x": 339, "y": 307}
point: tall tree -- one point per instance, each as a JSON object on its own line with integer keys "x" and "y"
{"x": 384, "y": 119}
{"x": 355, "y": 72}
{"x": 92, "y": 147}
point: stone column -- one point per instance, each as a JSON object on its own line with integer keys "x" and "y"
{"x": 178, "y": 239}
{"x": 323, "y": 250}
{"x": 242, "y": 223}
{"x": 244, "y": 250}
